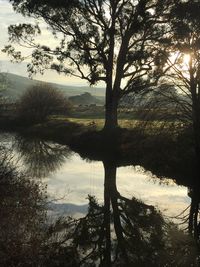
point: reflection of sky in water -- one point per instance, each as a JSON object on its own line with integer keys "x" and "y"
{"x": 78, "y": 178}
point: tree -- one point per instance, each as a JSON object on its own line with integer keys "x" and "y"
{"x": 113, "y": 41}
{"x": 40, "y": 101}
{"x": 182, "y": 58}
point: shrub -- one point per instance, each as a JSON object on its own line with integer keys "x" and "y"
{"x": 41, "y": 101}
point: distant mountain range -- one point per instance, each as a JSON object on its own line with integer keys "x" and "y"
{"x": 16, "y": 85}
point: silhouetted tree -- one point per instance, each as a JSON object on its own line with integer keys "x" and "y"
{"x": 39, "y": 102}
{"x": 113, "y": 41}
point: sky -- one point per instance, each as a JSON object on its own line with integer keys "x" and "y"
{"x": 8, "y": 17}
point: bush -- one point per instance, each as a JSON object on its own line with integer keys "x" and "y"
{"x": 41, "y": 101}
{"x": 28, "y": 237}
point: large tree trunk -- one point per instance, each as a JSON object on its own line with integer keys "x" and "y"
{"x": 111, "y": 119}
{"x": 196, "y": 130}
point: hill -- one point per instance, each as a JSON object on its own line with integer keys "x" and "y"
{"x": 16, "y": 85}
{"x": 85, "y": 99}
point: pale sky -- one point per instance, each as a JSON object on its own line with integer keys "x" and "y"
{"x": 7, "y": 17}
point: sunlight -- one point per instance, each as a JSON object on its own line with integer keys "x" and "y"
{"x": 182, "y": 60}
{"x": 186, "y": 59}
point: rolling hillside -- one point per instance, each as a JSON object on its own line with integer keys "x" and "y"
{"x": 18, "y": 84}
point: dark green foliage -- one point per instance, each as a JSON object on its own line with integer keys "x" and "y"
{"x": 185, "y": 21}
{"x": 184, "y": 35}
{"x": 87, "y": 41}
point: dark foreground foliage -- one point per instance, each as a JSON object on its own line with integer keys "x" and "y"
{"x": 25, "y": 239}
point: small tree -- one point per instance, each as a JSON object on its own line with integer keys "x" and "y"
{"x": 41, "y": 101}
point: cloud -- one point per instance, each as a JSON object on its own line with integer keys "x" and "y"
{"x": 49, "y": 76}
{"x": 8, "y": 17}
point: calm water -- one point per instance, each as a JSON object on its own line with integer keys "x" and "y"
{"x": 77, "y": 178}
{"x": 70, "y": 179}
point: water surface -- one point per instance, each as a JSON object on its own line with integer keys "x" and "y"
{"x": 70, "y": 179}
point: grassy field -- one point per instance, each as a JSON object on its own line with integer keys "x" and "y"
{"x": 124, "y": 123}
{"x": 99, "y": 123}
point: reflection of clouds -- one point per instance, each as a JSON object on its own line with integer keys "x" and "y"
{"x": 171, "y": 198}
{"x": 83, "y": 178}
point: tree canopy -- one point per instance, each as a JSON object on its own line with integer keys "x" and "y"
{"x": 183, "y": 63}
{"x": 110, "y": 41}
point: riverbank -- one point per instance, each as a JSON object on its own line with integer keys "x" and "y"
{"x": 59, "y": 130}
{"x": 166, "y": 151}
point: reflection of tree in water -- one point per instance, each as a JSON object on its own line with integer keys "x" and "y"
{"x": 191, "y": 215}
{"x": 41, "y": 157}
{"x": 121, "y": 232}
{"x": 127, "y": 232}
{"x": 131, "y": 222}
